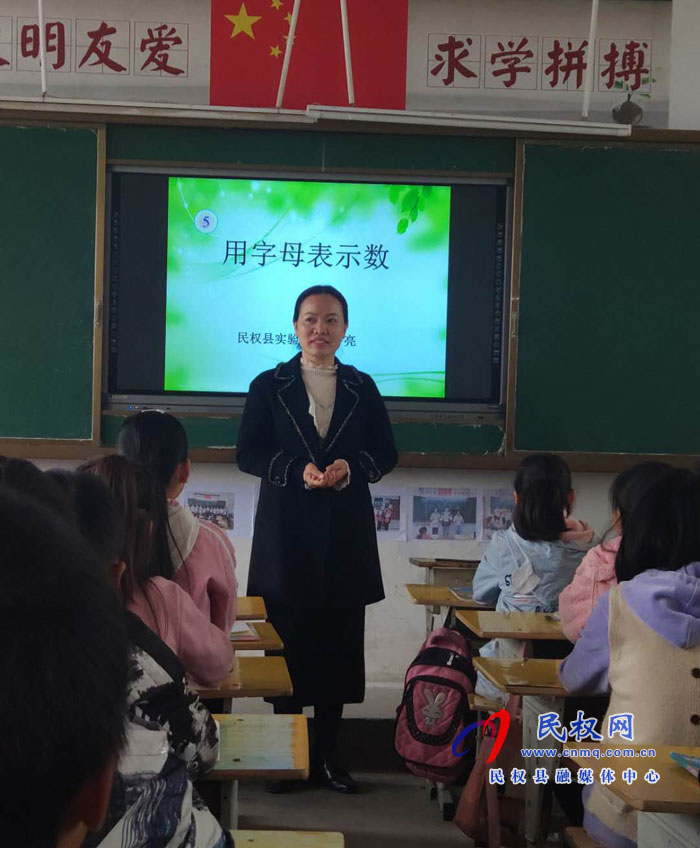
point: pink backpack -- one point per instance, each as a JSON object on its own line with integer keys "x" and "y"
{"x": 435, "y": 709}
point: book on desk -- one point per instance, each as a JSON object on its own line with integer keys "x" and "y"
{"x": 241, "y": 630}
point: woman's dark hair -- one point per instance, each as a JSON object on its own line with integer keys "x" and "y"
{"x": 330, "y": 290}
{"x": 663, "y": 529}
{"x": 156, "y": 442}
{"x": 629, "y": 486}
{"x": 543, "y": 486}
{"x": 26, "y": 479}
{"x": 82, "y": 501}
{"x": 65, "y": 666}
{"x": 95, "y": 513}
{"x": 136, "y": 499}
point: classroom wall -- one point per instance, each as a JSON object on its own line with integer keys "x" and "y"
{"x": 684, "y": 103}
{"x": 396, "y": 627}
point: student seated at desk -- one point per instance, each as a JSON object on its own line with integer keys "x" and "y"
{"x": 642, "y": 640}
{"x": 197, "y": 555}
{"x": 203, "y": 648}
{"x": 64, "y": 665}
{"x": 171, "y": 738}
{"x": 526, "y": 566}
{"x": 596, "y": 574}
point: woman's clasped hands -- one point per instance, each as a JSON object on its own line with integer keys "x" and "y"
{"x": 335, "y": 473}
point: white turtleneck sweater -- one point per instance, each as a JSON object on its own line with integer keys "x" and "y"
{"x": 320, "y": 382}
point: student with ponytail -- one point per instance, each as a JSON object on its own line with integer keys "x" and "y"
{"x": 641, "y": 643}
{"x": 526, "y": 566}
{"x": 196, "y": 554}
{"x": 596, "y": 574}
{"x": 164, "y": 606}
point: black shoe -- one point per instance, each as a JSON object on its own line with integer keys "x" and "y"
{"x": 283, "y": 787}
{"x": 330, "y": 775}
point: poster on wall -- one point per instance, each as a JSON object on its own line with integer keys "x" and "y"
{"x": 388, "y": 515}
{"x": 444, "y": 514}
{"x": 497, "y": 511}
{"x": 231, "y": 508}
{"x": 216, "y": 507}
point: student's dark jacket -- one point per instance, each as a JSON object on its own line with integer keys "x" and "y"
{"x": 314, "y": 547}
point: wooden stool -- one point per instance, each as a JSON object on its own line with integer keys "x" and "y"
{"x": 576, "y": 837}
{"x": 482, "y": 705}
{"x": 287, "y": 839}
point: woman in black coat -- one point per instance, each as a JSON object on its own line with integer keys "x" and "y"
{"x": 317, "y": 432}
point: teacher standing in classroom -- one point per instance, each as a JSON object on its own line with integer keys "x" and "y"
{"x": 316, "y": 432}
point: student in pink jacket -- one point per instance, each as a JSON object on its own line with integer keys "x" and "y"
{"x": 198, "y": 555}
{"x": 203, "y": 646}
{"x": 596, "y": 574}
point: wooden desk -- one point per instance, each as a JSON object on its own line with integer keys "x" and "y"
{"x": 439, "y": 596}
{"x": 427, "y": 562}
{"x": 268, "y": 638}
{"x": 252, "y": 608}
{"x": 265, "y": 746}
{"x": 258, "y": 746}
{"x": 672, "y": 830}
{"x": 538, "y": 683}
{"x": 287, "y": 839}
{"x": 253, "y": 677}
{"x": 522, "y": 677}
{"x": 512, "y": 625}
{"x": 676, "y": 791}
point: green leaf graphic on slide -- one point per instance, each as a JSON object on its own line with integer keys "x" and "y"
{"x": 412, "y": 383}
{"x": 424, "y": 210}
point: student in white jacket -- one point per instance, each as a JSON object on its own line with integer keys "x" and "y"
{"x": 526, "y": 566}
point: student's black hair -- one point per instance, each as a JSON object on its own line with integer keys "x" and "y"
{"x": 312, "y": 290}
{"x": 64, "y": 666}
{"x": 157, "y": 442}
{"x": 95, "y": 514}
{"x": 663, "y": 529}
{"x": 629, "y": 486}
{"x": 135, "y": 497}
{"x": 543, "y": 486}
{"x": 24, "y": 478}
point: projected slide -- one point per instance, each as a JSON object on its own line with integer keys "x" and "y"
{"x": 240, "y": 251}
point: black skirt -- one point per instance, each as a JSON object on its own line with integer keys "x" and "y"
{"x": 325, "y": 652}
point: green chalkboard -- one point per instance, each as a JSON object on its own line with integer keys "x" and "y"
{"x": 608, "y": 337}
{"x": 313, "y": 150}
{"x": 47, "y": 253}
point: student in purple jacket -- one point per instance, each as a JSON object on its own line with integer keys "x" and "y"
{"x": 642, "y": 641}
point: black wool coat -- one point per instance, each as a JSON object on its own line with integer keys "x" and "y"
{"x": 314, "y": 547}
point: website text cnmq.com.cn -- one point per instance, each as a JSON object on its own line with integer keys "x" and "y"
{"x": 580, "y": 729}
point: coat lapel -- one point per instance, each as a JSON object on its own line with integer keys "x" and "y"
{"x": 347, "y": 397}
{"x": 292, "y": 395}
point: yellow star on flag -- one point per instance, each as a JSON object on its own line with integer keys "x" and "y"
{"x": 288, "y": 17}
{"x": 275, "y": 51}
{"x": 276, "y": 4}
{"x": 242, "y": 22}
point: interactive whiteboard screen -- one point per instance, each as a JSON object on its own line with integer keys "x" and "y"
{"x": 239, "y": 251}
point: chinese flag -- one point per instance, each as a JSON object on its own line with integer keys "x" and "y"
{"x": 248, "y": 43}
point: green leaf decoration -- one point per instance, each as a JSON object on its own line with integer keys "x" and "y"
{"x": 427, "y": 191}
{"x": 409, "y": 199}
{"x": 414, "y": 213}
{"x": 402, "y": 226}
